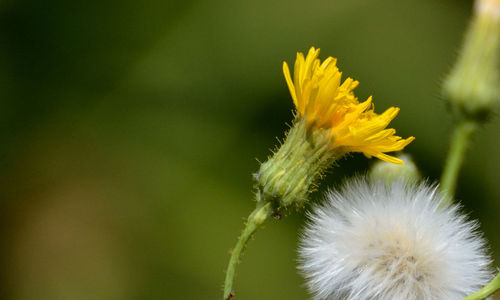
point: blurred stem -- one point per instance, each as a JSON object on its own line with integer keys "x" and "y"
{"x": 458, "y": 148}
{"x": 258, "y": 216}
{"x": 486, "y": 291}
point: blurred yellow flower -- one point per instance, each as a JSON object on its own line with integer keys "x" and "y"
{"x": 324, "y": 103}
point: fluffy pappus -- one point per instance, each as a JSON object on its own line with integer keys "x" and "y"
{"x": 372, "y": 240}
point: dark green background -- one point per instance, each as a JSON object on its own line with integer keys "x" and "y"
{"x": 129, "y": 131}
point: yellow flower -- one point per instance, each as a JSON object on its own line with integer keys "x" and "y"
{"x": 324, "y": 103}
{"x": 330, "y": 122}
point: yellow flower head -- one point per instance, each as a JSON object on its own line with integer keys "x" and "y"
{"x": 324, "y": 103}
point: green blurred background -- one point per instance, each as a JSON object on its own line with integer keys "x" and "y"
{"x": 130, "y": 131}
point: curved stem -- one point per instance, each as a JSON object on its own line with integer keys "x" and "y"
{"x": 489, "y": 289}
{"x": 261, "y": 212}
{"x": 458, "y": 148}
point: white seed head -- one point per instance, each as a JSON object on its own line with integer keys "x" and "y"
{"x": 377, "y": 241}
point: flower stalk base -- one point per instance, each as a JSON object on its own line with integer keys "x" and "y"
{"x": 259, "y": 215}
{"x": 488, "y": 290}
{"x": 458, "y": 149}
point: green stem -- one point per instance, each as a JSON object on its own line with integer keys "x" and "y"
{"x": 458, "y": 148}
{"x": 261, "y": 212}
{"x": 486, "y": 291}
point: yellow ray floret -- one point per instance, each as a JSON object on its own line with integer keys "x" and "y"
{"x": 324, "y": 103}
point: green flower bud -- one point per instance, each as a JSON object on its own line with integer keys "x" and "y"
{"x": 473, "y": 87}
{"x": 389, "y": 172}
